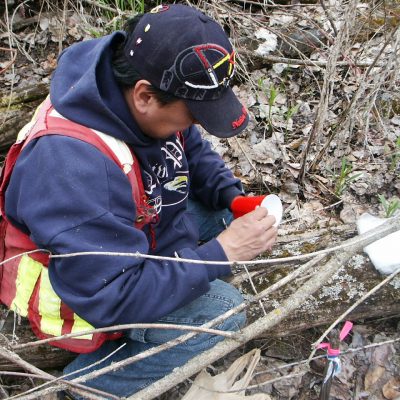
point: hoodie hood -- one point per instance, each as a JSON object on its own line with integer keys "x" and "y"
{"x": 84, "y": 76}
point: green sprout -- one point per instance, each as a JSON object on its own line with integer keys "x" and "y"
{"x": 391, "y": 206}
{"x": 122, "y": 6}
{"x": 273, "y": 94}
{"x": 344, "y": 178}
{"x": 289, "y": 114}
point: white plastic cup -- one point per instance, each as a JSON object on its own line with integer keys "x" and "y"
{"x": 274, "y": 206}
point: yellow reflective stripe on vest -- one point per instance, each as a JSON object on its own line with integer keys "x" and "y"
{"x": 49, "y": 307}
{"x": 51, "y": 323}
{"x": 27, "y": 276}
{"x": 80, "y": 325}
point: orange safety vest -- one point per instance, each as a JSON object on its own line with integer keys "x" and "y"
{"x": 25, "y": 286}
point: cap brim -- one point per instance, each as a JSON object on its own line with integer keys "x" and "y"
{"x": 224, "y": 117}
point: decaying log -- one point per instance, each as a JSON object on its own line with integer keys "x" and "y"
{"x": 355, "y": 278}
{"x": 43, "y": 357}
{"x": 347, "y": 286}
{"x": 16, "y": 109}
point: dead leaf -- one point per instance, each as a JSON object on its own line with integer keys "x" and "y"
{"x": 269, "y": 41}
{"x": 391, "y": 389}
{"x": 383, "y": 354}
{"x": 340, "y": 391}
{"x": 373, "y": 374}
{"x": 266, "y": 152}
{"x": 44, "y": 23}
{"x": 291, "y": 187}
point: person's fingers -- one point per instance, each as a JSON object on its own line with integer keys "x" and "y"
{"x": 269, "y": 221}
{"x": 259, "y": 213}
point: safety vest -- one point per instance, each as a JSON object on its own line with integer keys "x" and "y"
{"x": 25, "y": 286}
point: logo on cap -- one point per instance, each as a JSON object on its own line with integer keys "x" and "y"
{"x": 159, "y": 8}
{"x": 204, "y": 67}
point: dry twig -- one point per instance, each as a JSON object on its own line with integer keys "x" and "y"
{"x": 329, "y": 81}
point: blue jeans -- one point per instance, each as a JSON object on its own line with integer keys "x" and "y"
{"x": 220, "y": 298}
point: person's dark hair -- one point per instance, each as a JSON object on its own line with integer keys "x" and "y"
{"x": 125, "y": 75}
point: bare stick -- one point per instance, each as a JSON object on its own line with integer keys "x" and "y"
{"x": 323, "y": 5}
{"x": 254, "y": 290}
{"x": 104, "y": 7}
{"x": 257, "y": 172}
{"x": 13, "y": 57}
{"x": 124, "y": 327}
{"x": 388, "y": 227}
{"x": 327, "y": 88}
{"x": 310, "y": 63}
{"x": 62, "y": 379}
{"x": 16, "y": 359}
{"x": 62, "y": 30}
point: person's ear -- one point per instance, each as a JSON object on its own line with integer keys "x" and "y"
{"x": 142, "y": 98}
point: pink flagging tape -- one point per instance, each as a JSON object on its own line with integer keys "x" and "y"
{"x": 343, "y": 333}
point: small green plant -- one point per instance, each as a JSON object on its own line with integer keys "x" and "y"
{"x": 289, "y": 114}
{"x": 389, "y": 206}
{"x": 131, "y": 7}
{"x": 260, "y": 83}
{"x": 273, "y": 94}
{"x": 344, "y": 177}
{"x": 95, "y": 33}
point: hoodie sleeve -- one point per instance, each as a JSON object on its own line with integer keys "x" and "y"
{"x": 211, "y": 181}
{"x": 70, "y": 198}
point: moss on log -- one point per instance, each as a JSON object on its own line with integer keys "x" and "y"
{"x": 16, "y": 109}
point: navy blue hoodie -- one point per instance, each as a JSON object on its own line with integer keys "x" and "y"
{"x": 69, "y": 197}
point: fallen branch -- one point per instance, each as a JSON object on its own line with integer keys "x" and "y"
{"x": 124, "y": 327}
{"x": 13, "y": 57}
{"x": 309, "y": 63}
{"x": 79, "y": 389}
{"x": 328, "y": 85}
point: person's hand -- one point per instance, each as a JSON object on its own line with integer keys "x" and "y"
{"x": 249, "y": 236}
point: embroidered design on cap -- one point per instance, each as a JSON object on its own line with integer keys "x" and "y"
{"x": 206, "y": 67}
{"x": 160, "y": 8}
{"x": 239, "y": 122}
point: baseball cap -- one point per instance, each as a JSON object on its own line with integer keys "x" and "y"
{"x": 182, "y": 51}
